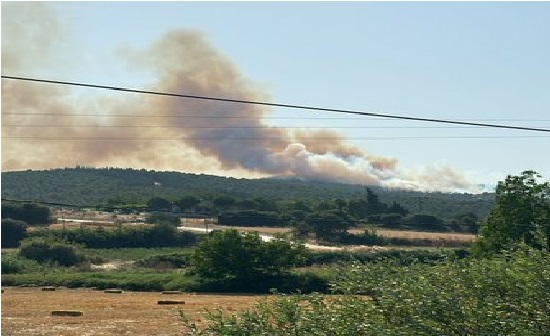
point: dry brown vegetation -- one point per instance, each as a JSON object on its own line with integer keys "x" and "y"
{"x": 463, "y": 237}
{"x": 27, "y": 311}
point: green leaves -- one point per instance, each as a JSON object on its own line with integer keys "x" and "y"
{"x": 521, "y": 214}
{"x": 504, "y": 295}
{"x": 244, "y": 256}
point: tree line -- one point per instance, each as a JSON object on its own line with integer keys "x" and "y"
{"x": 115, "y": 187}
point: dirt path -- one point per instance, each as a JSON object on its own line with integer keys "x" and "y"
{"x": 27, "y": 311}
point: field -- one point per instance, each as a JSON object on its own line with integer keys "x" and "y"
{"x": 27, "y": 311}
{"x": 460, "y": 237}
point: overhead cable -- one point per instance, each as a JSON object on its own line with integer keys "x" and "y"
{"x": 262, "y": 103}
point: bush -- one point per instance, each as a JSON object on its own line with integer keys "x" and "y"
{"x": 50, "y": 251}
{"x": 506, "y": 295}
{"x": 398, "y": 257}
{"x": 12, "y": 264}
{"x": 27, "y": 212}
{"x": 161, "y": 261}
{"x": 158, "y": 235}
{"x": 289, "y": 283}
{"x": 369, "y": 237}
{"x": 251, "y": 218}
{"x": 425, "y": 223}
{"x": 227, "y": 255}
{"x": 13, "y": 231}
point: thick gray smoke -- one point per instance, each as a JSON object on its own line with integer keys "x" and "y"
{"x": 189, "y": 134}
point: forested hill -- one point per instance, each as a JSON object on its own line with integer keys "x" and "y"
{"x": 91, "y": 186}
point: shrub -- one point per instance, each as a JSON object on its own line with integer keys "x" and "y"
{"x": 158, "y": 235}
{"x": 27, "y": 212}
{"x": 13, "y": 231}
{"x": 506, "y": 295}
{"x": 13, "y": 264}
{"x": 160, "y": 261}
{"x": 251, "y": 218}
{"x": 368, "y": 237}
{"x": 231, "y": 254}
{"x": 50, "y": 251}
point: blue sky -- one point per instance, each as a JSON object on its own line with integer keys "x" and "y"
{"x": 448, "y": 60}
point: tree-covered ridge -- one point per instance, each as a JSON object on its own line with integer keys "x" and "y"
{"x": 91, "y": 186}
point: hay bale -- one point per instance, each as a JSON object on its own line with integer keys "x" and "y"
{"x": 48, "y": 289}
{"x": 172, "y": 292}
{"x": 170, "y": 302}
{"x": 113, "y": 291}
{"x": 67, "y": 313}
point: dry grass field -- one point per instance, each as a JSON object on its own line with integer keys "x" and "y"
{"x": 462, "y": 237}
{"x": 27, "y": 311}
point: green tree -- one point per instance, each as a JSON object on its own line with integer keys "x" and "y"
{"x": 467, "y": 222}
{"x": 159, "y": 204}
{"x": 374, "y": 206}
{"x": 232, "y": 255}
{"x": 246, "y": 204}
{"x": 157, "y": 217}
{"x": 27, "y": 212}
{"x": 223, "y": 202}
{"x": 398, "y": 209}
{"x": 12, "y": 232}
{"x": 358, "y": 208}
{"x": 328, "y": 226}
{"x": 521, "y": 214}
{"x": 187, "y": 202}
{"x": 425, "y": 223}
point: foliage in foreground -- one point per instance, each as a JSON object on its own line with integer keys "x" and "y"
{"x": 504, "y": 295}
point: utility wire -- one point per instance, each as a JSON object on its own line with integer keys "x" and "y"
{"x": 239, "y": 138}
{"x": 230, "y": 127}
{"x": 127, "y": 115}
{"x": 293, "y": 106}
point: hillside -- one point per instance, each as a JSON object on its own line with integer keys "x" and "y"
{"x": 91, "y": 186}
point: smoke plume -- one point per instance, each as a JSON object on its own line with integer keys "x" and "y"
{"x": 169, "y": 133}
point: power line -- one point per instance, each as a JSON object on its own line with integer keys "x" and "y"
{"x": 230, "y": 127}
{"x": 253, "y": 138}
{"x": 293, "y": 106}
{"x": 162, "y": 115}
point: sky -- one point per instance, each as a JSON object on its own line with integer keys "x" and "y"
{"x": 486, "y": 62}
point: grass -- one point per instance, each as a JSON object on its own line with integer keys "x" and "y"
{"x": 135, "y": 279}
{"x": 127, "y": 254}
